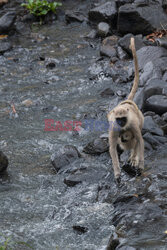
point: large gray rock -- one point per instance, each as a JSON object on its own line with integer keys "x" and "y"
{"x": 106, "y": 12}
{"x": 157, "y": 103}
{"x": 6, "y": 22}
{"x": 4, "y": 46}
{"x": 96, "y": 147}
{"x": 151, "y": 127}
{"x": 155, "y": 87}
{"x": 124, "y": 42}
{"x": 140, "y": 20}
{"x": 109, "y": 51}
{"x": 152, "y": 63}
{"x": 150, "y": 53}
{"x": 64, "y": 157}
{"x": 74, "y": 16}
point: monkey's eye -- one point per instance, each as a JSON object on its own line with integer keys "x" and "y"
{"x": 121, "y": 121}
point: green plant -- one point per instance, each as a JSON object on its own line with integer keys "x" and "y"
{"x": 41, "y": 7}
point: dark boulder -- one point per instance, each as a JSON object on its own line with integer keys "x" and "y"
{"x": 109, "y": 51}
{"x": 5, "y": 45}
{"x": 107, "y": 93}
{"x": 71, "y": 181}
{"x": 80, "y": 229}
{"x": 122, "y": 55}
{"x": 122, "y": 2}
{"x": 140, "y": 20}
{"x": 64, "y": 157}
{"x": 106, "y": 12}
{"x": 6, "y": 22}
{"x": 151, "y": 127}
{"x": 149, "y": 53}
{"x": 124, "y": 42}
{"x": 155, "y": 87}
{"x": 74, "y": 16}
{"x": 151, "y": 140}
{"x": 157, "y": 104}
{"x": 96, "y": 147}
{"x": 3, "y": 162}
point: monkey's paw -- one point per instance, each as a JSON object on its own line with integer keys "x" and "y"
{"x": 134, "y": 162}
{"x": 118, "y": 180}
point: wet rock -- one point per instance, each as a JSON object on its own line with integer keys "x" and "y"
{"x": 147, "y": 73}
{"x": 164, "y": 117}
{"x": 96, "y": 147}
{"x": 80, "y": 229}
{"x": 5, "y": 45}
{"x": 141, "y": 3}
{"x": 22, "y": 28}
{"x": 122, "y": 55}
{"x": 125, "y": 248}
{"x": 122, "y": 2}
{"x": 157, "y": 103}
{"x": 29, "y": 18}
{"x": 151, "y": 126}
{"x": 112, "y": 243}
{"x": 121, "y": 93}
{"x": 162, "y": 42}
{"x": 161, "y": 139}
{"x": 124, "y": 42}
{"x": 130, "y": 170}
{"x": 103, "y": 13}
{"x": 165, "y": 77}
{"x": 144, "y": 19}
{"x": 51, "y": 63}
{"x": 124, "y": 199}
{"x": 151, "y": 140}
{"x": 107, "y": 92}
{"x": 64, "y": 157}
{"x": 153, "y": 87}
{"x": 91, "y": 34}
{"x": 139, "y": 98}
{"x": 3, "y": 162}
{"x": 106, "y": 50}
{"x": 74, "y": 16}
{"x": 6, "y": 22}
{"x": 110, "y": 40}
{"x": 149, "y": 53}
{"x": 71, "y": 181}
{"x": 103, "y": 29}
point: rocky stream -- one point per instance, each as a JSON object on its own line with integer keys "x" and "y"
{"x": 58, "y": 191}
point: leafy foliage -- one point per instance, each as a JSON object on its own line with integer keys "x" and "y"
{"x": 41, "y": 7}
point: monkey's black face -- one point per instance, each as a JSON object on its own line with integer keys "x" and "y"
{"x": 121, "y": 121}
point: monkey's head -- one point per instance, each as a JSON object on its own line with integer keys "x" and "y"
{"x": 121, "y": 116}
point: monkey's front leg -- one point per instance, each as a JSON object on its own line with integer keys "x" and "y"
{"x": 137, "y": 159}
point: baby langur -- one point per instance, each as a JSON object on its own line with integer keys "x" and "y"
{"x": 126, "y": 122}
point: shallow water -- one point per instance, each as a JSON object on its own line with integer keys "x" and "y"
{"x": 36, "y": 206}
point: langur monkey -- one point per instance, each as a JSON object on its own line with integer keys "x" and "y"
{"x": 126, "y": 122}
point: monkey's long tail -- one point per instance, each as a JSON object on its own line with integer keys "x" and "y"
{"x": 136, "y": 79}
